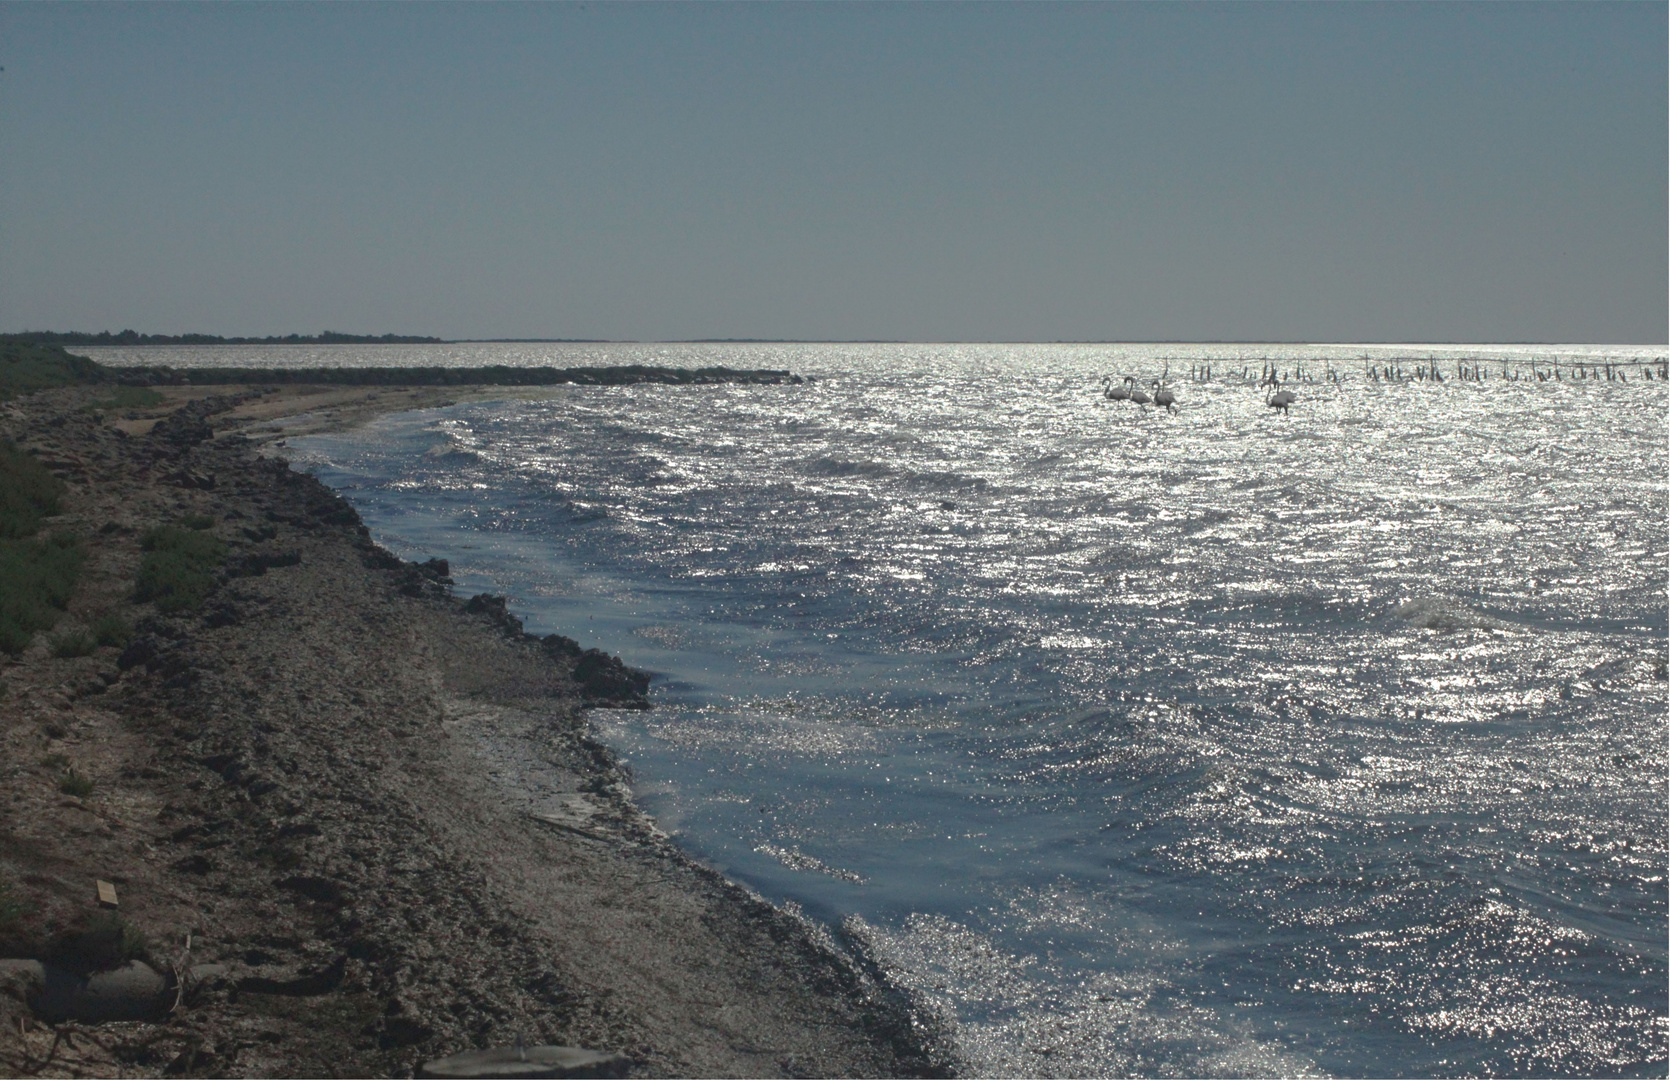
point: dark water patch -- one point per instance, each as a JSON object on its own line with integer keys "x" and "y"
{"x": 842, "y": 468}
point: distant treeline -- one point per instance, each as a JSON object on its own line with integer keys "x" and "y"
{"x": 27, "y": 366}
{"x": 496, "y": 375}
{"x": 132, "y": 337}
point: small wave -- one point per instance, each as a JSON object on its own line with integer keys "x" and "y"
{"x": 1436, "y": 613}
{"x": 795, "y": 859}
{"x": 1205, "y": 521}
{"x": 940, "y": 479}
{"x": 828, "y": 466}
{"x": 451, "y": 450}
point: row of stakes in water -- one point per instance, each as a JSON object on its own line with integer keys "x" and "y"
{"x": 1433, "y": 371}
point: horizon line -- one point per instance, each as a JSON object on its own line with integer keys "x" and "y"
{"x": 273, "y": 339}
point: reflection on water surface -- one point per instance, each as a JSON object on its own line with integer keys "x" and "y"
{"x": 1217, "y": 743}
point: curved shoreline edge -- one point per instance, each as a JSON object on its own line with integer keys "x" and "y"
{"x": 368, "y": 812}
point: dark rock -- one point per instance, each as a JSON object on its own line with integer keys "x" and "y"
{"x": 494, "y": 609}
{"x": 306, "y": 984}
{"x": 397, "y": 1031}
{"x": 526, "y": 1061}
{"x": 183, "y": 428}
{"x": 605, "y": 678}
{"x": 181, "y": 677}
{"x": 188, "y": 479}
{"x": 334, "y": 511}
{"x": 229, "y": 766}
{"x": 318, "y": 889}
{"x": 375, "y": 557}
{"x": 412, "y": 581}
{"x": 559, "y": 647}
{"x": 257, "y": 563}
{"x": 21, "y": 980}
{"x": 193, "y": 864}
{"x": 223, "y": 615}
{"x": 141, "y": 650}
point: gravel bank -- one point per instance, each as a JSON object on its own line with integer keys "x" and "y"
{"x": 373, "y": 807}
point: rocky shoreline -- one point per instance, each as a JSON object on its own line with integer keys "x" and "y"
{"x": 355, "y": 823}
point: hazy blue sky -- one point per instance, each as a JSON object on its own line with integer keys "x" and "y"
{"x": 1322, "y": 172}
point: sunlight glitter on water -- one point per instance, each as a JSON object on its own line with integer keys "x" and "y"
{"x": 1200, "y": 744}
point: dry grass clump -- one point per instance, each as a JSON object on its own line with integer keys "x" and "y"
{"x": 73, "y": 783}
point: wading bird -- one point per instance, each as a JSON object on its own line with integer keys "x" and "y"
{"x": 1136, "y": 394}
{"x": 1280, "y": 399}
{"x": 1121, "y": 392}
{"x": 1164, "y": 398}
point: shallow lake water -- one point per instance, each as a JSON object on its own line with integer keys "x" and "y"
{"x": 1216, "y": 742}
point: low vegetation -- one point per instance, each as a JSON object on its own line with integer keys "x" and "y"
{"x": 37, "y": 576}
{"x": 37, "y": 579}
{"x": 178, "y": 568}
{"x": 130, "y": 397}
{"x": 11, "y": 907}
{"x": 490, "y": 375}
{"x": 111, "y": 629}
{"x": 72, "y": 643}
{"x": 28, "y": 493}
{"x": 27, "y": 366}
{"x": 132, "y": 337}
{"x": 73, "y": 783}
{"x": 104, "y": 941}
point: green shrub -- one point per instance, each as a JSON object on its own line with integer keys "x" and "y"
{"x": 26, "y": 367}
{"x": 11, "y": 907}
{"x": 37, "y": 579}
{"x": 198, "y": 521}
{"x": 111, "y": 629}
{"x": 71, "y": 643}
{"x": 28, "y": 492}
{"x": 14, "y": 637}
{"x": 73, "y": 783}
{"x": 104, "y": 941}
{"x": 131, "y": 944}
{"x": 131, "y": 397}
{"x": 55, "y": 762}
{"x": 177, "y": 569}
